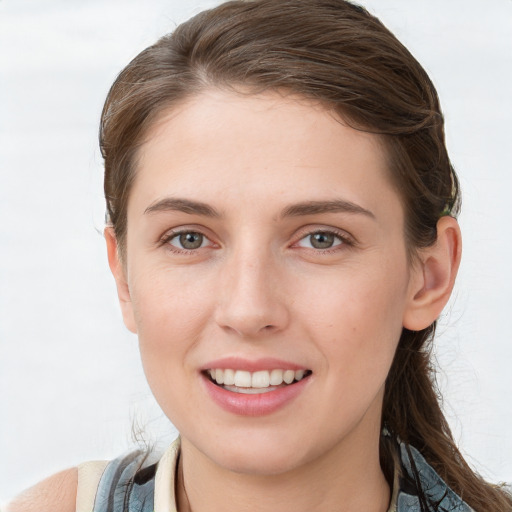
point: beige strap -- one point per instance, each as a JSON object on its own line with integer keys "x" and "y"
{"x": 165, "y": 500}
{"x": 396, "y": 489}
{"x": 89, "y": 474}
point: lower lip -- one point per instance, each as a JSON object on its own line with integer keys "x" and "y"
{"x": 259, "y": 404}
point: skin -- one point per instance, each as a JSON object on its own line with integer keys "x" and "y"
{"x": 257, "y": 287}
{"x": 56, "y": 493}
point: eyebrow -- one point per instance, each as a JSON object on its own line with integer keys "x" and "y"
{"x": 182, "y": 205}
{"x": 294, "y": 210}
{"x": 317, "y": 207}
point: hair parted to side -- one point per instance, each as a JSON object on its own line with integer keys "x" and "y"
{"x": 336, "y": 53}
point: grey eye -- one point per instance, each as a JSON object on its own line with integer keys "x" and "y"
{"x": 189, "y": 240}
{"x": 322, "y": 240}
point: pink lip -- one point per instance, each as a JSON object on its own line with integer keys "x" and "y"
{"x": 237, "y": 363}
{"x": 253, "y": 405}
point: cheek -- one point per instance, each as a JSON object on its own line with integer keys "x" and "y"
{"x": 171, "y": 309}
{"x": 170, "y": 313}
{"x": 356, "y": 318}
{"x": 354, "y": 301}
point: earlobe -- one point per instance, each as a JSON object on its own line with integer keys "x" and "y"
{"x": 433, "y": 276}
{"x": 119, "y": 272}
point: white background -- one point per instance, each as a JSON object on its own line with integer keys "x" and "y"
{"x": 70, "y": 379}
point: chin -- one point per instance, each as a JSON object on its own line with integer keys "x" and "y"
{"x": 259, "y": 462}
{"x": 259, "y": 453}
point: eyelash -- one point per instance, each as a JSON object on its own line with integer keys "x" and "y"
{"x": 342, "y": 237}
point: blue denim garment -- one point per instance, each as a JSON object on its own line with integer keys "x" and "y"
{"x": 125, "y": 488}
{"x": 122, "y": 489}
{"x": 431, "y": 483}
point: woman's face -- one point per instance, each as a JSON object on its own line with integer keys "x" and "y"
{"x": 265, "y": 241}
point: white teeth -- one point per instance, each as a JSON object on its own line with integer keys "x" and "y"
{"x": 229, "y": 377}
{"x": 276, "y": 377}
{"x": 242, "y": 379}
{"x": 249, "y": 391}
{"x": 255, "y": 380}
{"x": 288, "y": 376}
{"x": 260, "y": 379}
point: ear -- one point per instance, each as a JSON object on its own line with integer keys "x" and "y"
{"x": 433, "y": 276}
{"x": 119, "y": 272}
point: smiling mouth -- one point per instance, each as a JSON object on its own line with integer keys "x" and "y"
{"x": 263, "y": 381}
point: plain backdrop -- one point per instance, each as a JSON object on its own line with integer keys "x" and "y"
{"x": 71, "y": 384}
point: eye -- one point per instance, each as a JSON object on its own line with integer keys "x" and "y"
{"x": 321, "y": 240}
{"x": 188, "y": 240}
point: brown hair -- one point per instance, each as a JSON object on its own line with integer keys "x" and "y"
{"x": 334, "y": 52}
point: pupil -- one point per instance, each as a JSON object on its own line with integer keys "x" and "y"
{"x": 191, "y": 240}
{"x": 322, "y": 240}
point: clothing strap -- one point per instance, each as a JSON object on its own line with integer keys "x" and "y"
{"x": 165, "y": 499}
{"x": 89, "y": 475}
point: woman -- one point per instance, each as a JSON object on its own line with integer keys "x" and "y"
{"x": 282, "y": 233}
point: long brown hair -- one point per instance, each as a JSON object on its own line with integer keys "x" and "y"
{"x": 334, "y": 52}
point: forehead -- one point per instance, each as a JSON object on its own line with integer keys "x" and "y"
{"x": 248, "y": 148}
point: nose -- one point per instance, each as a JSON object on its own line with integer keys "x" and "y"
{"x": 252, "y": 296}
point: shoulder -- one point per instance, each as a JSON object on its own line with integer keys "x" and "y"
{"x": 102, "y": 486}
{"x": 95, "y": 485}
{"x": 54, "y": 494}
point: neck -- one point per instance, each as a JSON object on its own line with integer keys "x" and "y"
{"x": 345, "y": 479}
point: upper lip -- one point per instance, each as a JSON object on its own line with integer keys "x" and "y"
{"x": 254, "y": 365}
